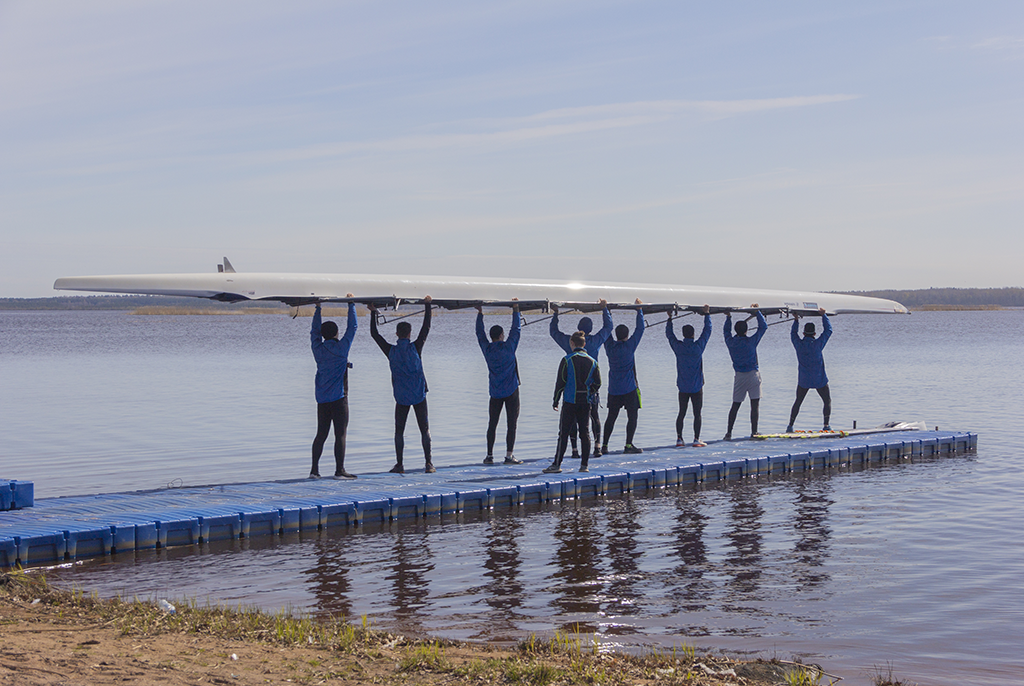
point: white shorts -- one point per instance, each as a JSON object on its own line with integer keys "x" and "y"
{"x": 746, "y": 383}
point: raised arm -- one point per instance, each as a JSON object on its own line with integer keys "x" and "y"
{"x": 314, "y": 328}
{"x": 705, "y": 333}
{"x": 424, "y": 328}
{"x": 351, "y": 325}
{"x": 481, "y": 338}
{"x": 727, "y": 329}
{"x": 384, "y": 346}
{"x": 762, "y": 327}
{"x": 562, "y": 339}
{"x": 826, "y": 326}
{"x": 606, "y": 324}
{"x": 794, "y": 331}
{"x": 638, "y": 331}
{"x": 517, "y": 325}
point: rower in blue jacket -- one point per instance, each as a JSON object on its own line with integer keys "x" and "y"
{"x": 502, "y": 380}
{"x": 690, "y": 374}
{"x": 408, "y": 382}
{"x": 593, "y": 347}
{"x": 811, "y": 364}
{"x": 577, "y": 381}
{"x": 331, "y": 355}
{"x": 623, "y": 388}
{"x": 747, "y": 380}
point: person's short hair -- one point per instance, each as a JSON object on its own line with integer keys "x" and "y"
{"x": 741, "y": 327}
{"x": 578, "y": 339}
{"x": 809, "y": 329}
{"x": 621, "y": 332}
{"x": 687, "y": 331}
{"x": 496, "y": 332}
{"x": 329, "y": 330}
{"x": 586, "y": 325}
{"x": 404, "y": 329}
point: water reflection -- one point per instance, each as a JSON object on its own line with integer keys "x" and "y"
{"x": 578, "y": 568}
{"x": 330, "y": 576}
{"x": 743, "y": 563}
{"x": 504, "y": 589}
{"x": 812, "y": 500}
{"x": 690, "y": 591}
{"x": 410, "y": 565}
{"x": 620, "y": 592}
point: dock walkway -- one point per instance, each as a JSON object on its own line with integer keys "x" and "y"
{"x": 77, "y": 527}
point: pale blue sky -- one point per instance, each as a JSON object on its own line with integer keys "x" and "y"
{"x": 795, "y": 145}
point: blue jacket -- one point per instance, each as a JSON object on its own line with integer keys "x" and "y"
{"x": 578, "y": 379}
{"x": 808, "y": 355}
{"x": 689, "y": 357}
{"x": 502, "y": 371}
{"x": 743, "y": 349}
{"x": 407, "y": 379}
{"x": 331, "y": 357}
{"x": 622, "y": 360}
{"x": 594, "y": 342}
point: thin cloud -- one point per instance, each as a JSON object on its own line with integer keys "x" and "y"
{"x": 573, "y": 121}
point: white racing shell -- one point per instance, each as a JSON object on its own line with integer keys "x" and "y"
{"x": 299, "y": 289}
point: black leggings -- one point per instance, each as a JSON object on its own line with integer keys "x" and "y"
{"x": 595, "y": 421}
{"x": 511, "y": 405}
{"x": 826, "y": 399}
{"x": 697, "y": 399}
{"x": 754, "y": 414}
{"x": 401, "y": 416}
{"x": 326, "y": 413}
{"x": 574, "y": 417}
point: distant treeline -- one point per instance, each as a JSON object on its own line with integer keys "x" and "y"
{"x": 130, "y": 302}
{"x": 967, "y": 298}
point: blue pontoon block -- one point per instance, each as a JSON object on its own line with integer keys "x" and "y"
{"x": 432, "y": 504}
{"x": 376, "y": 508}
{"x": 260, "y": 522}
{"x": 172, "y": 530}
{"x": 800, "y": 461}
{"x": 407, "y": 506}
{"x": 24, "y": 494}
{"x": 146, "y": 536}
{"x": 690, "y": 474}
{"x": 530, "y": 494}
{"x": 503, "y": 496}
{"x": 589, "y": 486}
{"x": 219, "y": 524}
{"x": 122, "y": 537}
{"x": 8, "y": 553}
{"x": 449, "y": 503}
{"x": 40, "y": 545}
{"x": 615, "y": 483}
{"x": 338, "y": 515}
{"x": 736, "y": 469}
{"x": 89, "y": 542}
{"x": 473, "y": 500}
{"x": 6, "y": 496}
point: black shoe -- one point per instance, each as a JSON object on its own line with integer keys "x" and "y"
{"x": 344, "y": 475}
{"x": 489, "y": 459}
{"x": 429, "y": 469}
{"x": 631, "y": 449}
{"x": 398, "y": 469}
{"x": 553, "y": 469}
{"x": 584, "y": 468}
{"x": 728, "y": 437}
{"x": 604, "y": 451}
{"x": 511, "y": 459}
{"x": 789, "y": 429}
{"x": 575, "y": 454}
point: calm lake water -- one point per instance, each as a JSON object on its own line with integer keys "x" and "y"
{"x": 918, "y": 565}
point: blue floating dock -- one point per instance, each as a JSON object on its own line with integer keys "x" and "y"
{"x": 52, "y": 530}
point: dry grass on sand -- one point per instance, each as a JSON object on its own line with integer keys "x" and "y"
{"x": 55, "y": 636}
